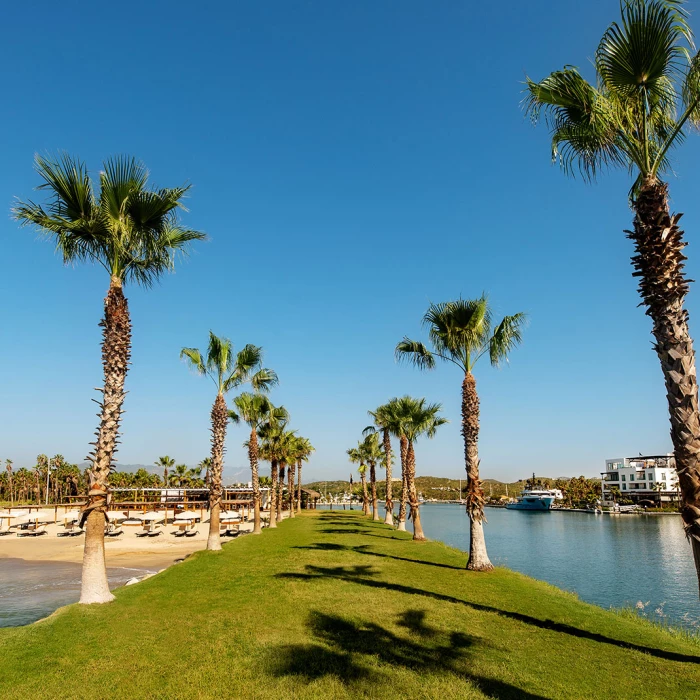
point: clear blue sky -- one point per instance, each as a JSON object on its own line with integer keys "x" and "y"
{"x": 351, "y": 161}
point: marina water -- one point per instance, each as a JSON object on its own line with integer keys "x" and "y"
{"x": 609, "y": 560}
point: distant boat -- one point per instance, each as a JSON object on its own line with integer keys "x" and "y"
{"x": 532, "y": 499}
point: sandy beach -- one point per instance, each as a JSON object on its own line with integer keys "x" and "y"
{"x": 127, "y": 550}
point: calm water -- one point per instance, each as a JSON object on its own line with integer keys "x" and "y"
{"x": 612, "y": 561}
{"x": 30, "y": 590}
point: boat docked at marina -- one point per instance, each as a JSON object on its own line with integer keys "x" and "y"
{"x": 534, "y": 499}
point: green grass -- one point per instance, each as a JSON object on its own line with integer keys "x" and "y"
{"x": 332, "y": 605}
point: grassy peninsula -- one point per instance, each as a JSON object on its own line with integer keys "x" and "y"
{"x": 333, "y": 605}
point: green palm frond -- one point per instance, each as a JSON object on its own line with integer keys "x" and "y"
{"x": 647, "y": 88}
{"x": 131, "y": 231}
{"x": 264, "y": 380}
{"x": 507, "y": 336}
{"x": 414, "y": 352}
{"x": 194, "y": 358}
{"x": 234, "y": 417}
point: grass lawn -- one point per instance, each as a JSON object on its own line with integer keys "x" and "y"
{"x": 332, "y": 605}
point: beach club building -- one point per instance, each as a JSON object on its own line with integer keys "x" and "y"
{"x": 652, "y": 478}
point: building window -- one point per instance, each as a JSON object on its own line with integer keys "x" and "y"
{"x": 623, "y": 477}
{"x": 663, "y": 476}
{"x": 631, "y": 477}
{"x": 624, "y": 486}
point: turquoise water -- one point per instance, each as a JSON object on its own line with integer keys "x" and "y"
{"x": 611, "y": 561}
{"x": 30, "y": 590}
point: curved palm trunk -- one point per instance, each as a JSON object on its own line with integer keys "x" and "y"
{"x": 116, "y": 350}
{"x": 412, "y": 494}
{"x": 389, "y": 514}
{"x": 373, "y": 490}
{"x": 478, "y": 557}
{"x": 280, "y": 491}
{"x": 219, "y": 421}
{"x": 290, "y": 488}
{"x": 404, "y": 487}
{"x": 253, "y": 457}
{"x": 365, "y": 499}
{"x": 658, "y": 262}
{"x": 299, "y": 487}
{"x": 273, "y": 493}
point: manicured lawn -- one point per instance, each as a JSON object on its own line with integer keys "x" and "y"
{"x": 332, "y": 605}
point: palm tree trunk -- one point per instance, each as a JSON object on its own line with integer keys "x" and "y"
{"x": 478, "y": 557}
{"x": 404, "y": 489}
{"x": 116, "y": 351}
{"x": 389, "y": 515}
{"x": 279, "y": 492}
{"x": 658, "y": 262}
{"x": 273, "y": 493}
{"x": 365, "y": 499}
{"x": 219, "y": 421}
{"x": 373, "y": 489}
{"x": 253, "y": 457}
{"x": 412, "y": 494}
{"x": 290, "y": 488}
{"x": 299, "y": 487}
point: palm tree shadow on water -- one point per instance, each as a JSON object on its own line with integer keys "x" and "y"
{"x": 346, "y": 648}
{"x": 365, "y": 576}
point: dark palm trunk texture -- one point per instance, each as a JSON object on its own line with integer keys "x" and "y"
{"x": 658, "y": 262}
{"x": 219, "y": 422}
{"x": 389, "y": 515}
{"x": 273, "y": 493}
{"x": 412, "y": 493}
{"x": 253, "y": 457}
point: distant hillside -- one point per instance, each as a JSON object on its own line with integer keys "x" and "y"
{"x": 433, "y": 487}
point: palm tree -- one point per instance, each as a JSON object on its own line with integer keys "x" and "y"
{"x": 461, "y": 333}
{"x": 165, "y": 463}
{"x": 180, "y": 475}
{"x": 286, "y": 446}
{"x": 417, "y": 418}
{"x": 255, "y": 410}
{"x": 8, "y": 467}
{"x": 205, "y": 464}
{"x": 647, "y": 90}
{"x": 383, "y": 420}
{"x": 133, "y": 232}
{"x": 227, "y": 372}
{"x": 372, "y": 454}
{"x": 356, "y": 456}
{"x": 271, "y": 437}
{"x": 304, "y": 452}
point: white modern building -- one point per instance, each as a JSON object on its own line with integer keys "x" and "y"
{"x": 650, "y": 478}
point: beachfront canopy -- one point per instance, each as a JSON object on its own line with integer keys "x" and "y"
{"x": 187, "y": 516}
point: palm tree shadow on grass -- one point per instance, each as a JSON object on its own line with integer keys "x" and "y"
{"x": 362, "y": 575}
{"x": 346, "y": 648}
{"x": 362, "y": 549}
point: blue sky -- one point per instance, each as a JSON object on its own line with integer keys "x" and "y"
{"x": 351, "y": 162}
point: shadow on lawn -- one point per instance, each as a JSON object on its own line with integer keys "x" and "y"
{"x": 346, "y": 645}
{"x": 361, "y": 575}
{"x": 362, "y": 549}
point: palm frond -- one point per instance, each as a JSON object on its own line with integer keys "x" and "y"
{"x": 194, "y": 359}
{"x": 264, "y": 379}
{"x": 414, "y": 352}
{"x": 508, "y": 335}
{"x": 234, "y": 417}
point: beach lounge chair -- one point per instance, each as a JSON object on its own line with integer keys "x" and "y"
{"x": 5, "y": 530}
{"x": 179, "y": 533}
{"x": 143, "y": 533}
{"x": 191, "y": 533}
{"x": 154, "y": 532}
{"x": 114, "y": 531}
{"x": 33, "y": 532}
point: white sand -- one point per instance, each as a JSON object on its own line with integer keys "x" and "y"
{"x": 126, "y": 550}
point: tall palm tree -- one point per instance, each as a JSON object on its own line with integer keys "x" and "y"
{"x": 356, "y": 456}
{"x": 382, "y": 418}
{"x": 417, "y": 418}
{"x": 372, "y": 454}
{"x": 227, "y": 371}
{"x": 286, "y": 446}
{"x": 303, "y": 455}
{"x": 181, "y": 475}
{"x": 165, "y": 463}
{"x": 133, "y": 232}
{"x": 255, "y": 410}
{"x": 271, "y": 446}
{"x": 646, "y": 92}
{"x": 461, "y": 332}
